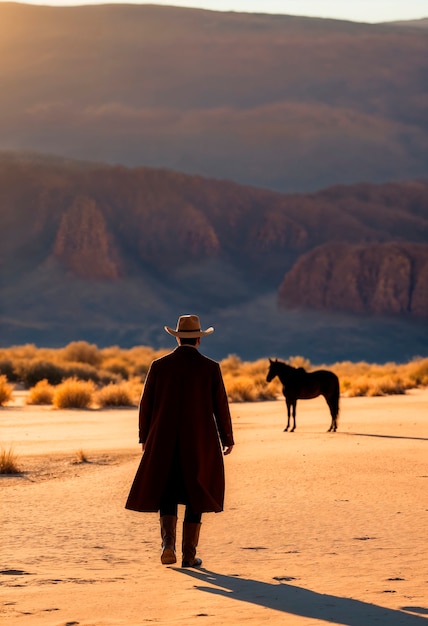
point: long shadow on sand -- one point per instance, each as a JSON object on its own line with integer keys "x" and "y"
{"x": 303, "y": 602}
{"x": 386, "y": 436}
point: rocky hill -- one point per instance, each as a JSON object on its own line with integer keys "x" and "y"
{"x": 110, "y": 254}
{"x": 382, "y": 279}
{"x": 287, "y": 103}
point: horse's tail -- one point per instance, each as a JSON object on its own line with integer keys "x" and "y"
{"x": 334, "y": 398}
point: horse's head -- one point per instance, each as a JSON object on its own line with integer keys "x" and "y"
{"x": 280, "y": 369}
{"x": 273, "y": 370}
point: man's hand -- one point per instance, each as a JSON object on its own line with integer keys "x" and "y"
{"x": 227, "y": 450}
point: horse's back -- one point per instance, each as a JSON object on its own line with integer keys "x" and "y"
{"x": 325, "y": 374}
{"x": 318, "y": 382}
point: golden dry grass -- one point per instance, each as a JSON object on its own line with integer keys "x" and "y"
{"x": 116, "y": 395}
{"x": 29, "y": 364}
{"x": 81, "y": 352}
{"x": 8, "y": 462}
{"x": 109, "y": 368}
{"x": 41, "y": 393}
{"x": 6, "y": 390}
{"x": 246, "y": 388}
{"x": 81, "y": 457}
{"x": 371, "y": 379}
{"x": 73, "y": 393}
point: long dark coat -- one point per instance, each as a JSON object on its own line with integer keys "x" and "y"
{"x": 184, "y": 415}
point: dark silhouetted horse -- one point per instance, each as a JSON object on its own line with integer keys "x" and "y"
{"x": 297, "y": 384}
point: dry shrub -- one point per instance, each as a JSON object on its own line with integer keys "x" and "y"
{"x": 246, "y": 388}
{"x": 112, "y": 352}
{"x": 113, "y": 364}
{"x": 8, "y": 462}
{"x": 135, "y": 387}
{"x": 255, "y": 368}
{"x": 6, "y": 390}
{"x": 105, "y": 378}
{"x": 141, "y": 370}
{"x": 371, "y": 379}
{"x": 353, "y": 387}
{"x": 26, "y": 351}
{"x": 115, "y": 395}
{"x": 31, "y": 371}
{"x": 118, "y": 367}
{"x": 130, "y": 363}
{"x": 264, "y": 390}
{"x": 246, "y": 381}
{"x": 141, "y": 358}
{"x": 7, "y": 368}
{"x": 374, "y": 386}
{"x": 117, "y": 361}
{"x": 74, "y": 394}
{"x": 386, "y": 386}
{"x": 82, "y": 371}
{"x": 81, "y": 457}
{"x": 231, "y": 365}
{"x": 417, "y": 371}
{"x": 349, "y": 370}
{"x": 81, "y": 352}
{"x": 239, "y": 388}
{"x": 41, "y": 393}
{"x": 300, "y": 361}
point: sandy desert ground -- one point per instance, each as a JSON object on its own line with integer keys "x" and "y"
{"x": 318, "y": 528}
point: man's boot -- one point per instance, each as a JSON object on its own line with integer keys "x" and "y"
{"x": 190, "y": 543}
{"x": 168, "y": 524}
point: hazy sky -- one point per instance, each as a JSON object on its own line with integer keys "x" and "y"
{"x": 357, "y": 10}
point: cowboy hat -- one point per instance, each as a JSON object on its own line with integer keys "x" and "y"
{"x": 189, "y": 326}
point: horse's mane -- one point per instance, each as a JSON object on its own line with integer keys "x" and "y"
{"x": 300, "y": 370}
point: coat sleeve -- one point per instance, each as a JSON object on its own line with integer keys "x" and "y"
{"x": 221, "y": 410}
{"x": 146, "y": 404}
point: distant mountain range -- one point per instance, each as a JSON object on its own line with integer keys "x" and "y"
{"x": 111, "y": 254}
{"x": 159, "y": 160}
{"x": 287, "y": 103}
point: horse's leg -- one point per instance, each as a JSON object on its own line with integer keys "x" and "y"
{"x": 332, "y": 405}
{"x": 294, "y": 415}
{"x": 332, "y": 428}
{"x": 288, "y": 403}
{"x": 333, "y": 419}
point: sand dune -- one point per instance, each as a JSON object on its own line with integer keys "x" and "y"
{"x": 318, "y": 528}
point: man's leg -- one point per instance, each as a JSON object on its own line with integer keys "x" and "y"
{"x": 168, "y": 525}
{"x": 191, "y": 530}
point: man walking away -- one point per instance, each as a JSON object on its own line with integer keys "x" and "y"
{"x": 185, "y": 428}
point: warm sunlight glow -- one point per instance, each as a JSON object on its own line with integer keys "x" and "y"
{"x": 361, "y": 11}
